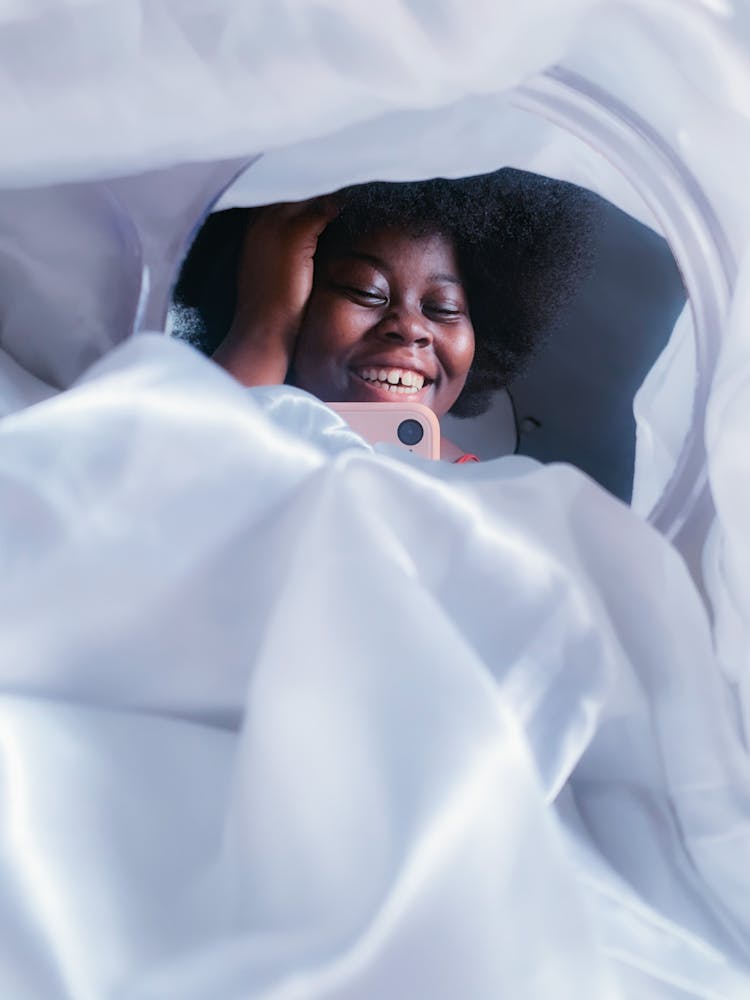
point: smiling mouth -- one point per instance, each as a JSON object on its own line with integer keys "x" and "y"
{"x": 399, "y": 381}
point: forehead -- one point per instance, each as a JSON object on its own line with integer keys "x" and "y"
{"x": 399, "y": 250}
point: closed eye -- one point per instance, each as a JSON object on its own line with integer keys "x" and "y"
{"x": 442, "y": 311}
{"x": 368, "y": 296}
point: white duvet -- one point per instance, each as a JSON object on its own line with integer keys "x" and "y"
{"x": 284, "y": 716}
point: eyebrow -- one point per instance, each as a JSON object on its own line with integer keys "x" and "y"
{"x": 381, "y": 265}
{"x": 449, "y": 279}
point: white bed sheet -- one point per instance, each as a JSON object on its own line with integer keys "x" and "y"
{"x": 293, "y": 720}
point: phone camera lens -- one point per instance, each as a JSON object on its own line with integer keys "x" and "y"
{"x": 410, "y": 432}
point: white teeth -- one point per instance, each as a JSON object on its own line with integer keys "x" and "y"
{"x": 394, "y": 379}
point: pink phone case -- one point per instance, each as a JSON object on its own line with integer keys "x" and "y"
{"x": 394, "y": 423}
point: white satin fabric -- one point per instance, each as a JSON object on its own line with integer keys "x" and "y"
{"x": 293, "y": 721}
{"x": 283, "y": 716}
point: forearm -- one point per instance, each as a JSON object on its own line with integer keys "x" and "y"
{"x": 255, "y": 356}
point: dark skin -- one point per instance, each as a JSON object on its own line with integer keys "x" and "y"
{"x": 384, "y": 319}
{"x": 274, "y": 282}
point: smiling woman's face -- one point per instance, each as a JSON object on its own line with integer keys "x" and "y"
{"x": 387, "y": 321}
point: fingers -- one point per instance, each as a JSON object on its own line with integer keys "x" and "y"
{"x": 275, "y": 276}
{"x": 289, "y": 229}
{"x": 324, "y": 206}
{"x": 311, "y": 215}
{"x": 306, "y": 220}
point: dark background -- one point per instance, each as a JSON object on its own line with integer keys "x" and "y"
{"x": 575, "y": 403}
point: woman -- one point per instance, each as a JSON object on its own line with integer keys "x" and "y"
{"x": 436, "y": 291}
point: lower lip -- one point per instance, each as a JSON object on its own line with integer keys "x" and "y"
{"x": 380, "y": 394}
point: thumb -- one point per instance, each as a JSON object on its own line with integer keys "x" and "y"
{"x": 321, "y": 211}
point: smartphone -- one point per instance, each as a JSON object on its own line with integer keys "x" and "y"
{"x": 409, "y": 425}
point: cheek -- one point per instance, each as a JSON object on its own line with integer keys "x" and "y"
{"x": 470, "y": 350}
{"x": 462, "y": 353}
{"x": 329, "y": 329}
{"x": 326, "y": 337}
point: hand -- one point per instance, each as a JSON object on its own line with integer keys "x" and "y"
{"x": 274, "y": 282}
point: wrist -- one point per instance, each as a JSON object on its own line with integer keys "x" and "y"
{"x": 257, "y": 355}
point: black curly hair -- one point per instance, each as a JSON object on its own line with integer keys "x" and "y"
{"x": 524, "y": 244}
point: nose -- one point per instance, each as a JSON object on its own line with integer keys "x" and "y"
{"x": 406, "y": 326}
